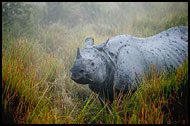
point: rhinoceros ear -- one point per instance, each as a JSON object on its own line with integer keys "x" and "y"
{"x": 89, "y": 42}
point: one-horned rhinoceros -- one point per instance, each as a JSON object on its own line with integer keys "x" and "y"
{"x": 118, "y": 62}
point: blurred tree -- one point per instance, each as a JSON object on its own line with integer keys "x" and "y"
{"x": 15, "y": 12}
{"x": 53, "y": 12}
{"x": 19, "y": 18}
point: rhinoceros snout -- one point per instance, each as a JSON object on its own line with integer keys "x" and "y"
{"x": 75, "y": 77}
{"x": 76, "y": 74}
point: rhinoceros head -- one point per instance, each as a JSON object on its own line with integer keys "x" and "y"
{"x": 89, "y": 66}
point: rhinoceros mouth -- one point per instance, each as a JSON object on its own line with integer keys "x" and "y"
{"x": 81, "y": 80}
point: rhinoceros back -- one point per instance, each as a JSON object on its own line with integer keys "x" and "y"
{"x": 132, "y": 55}
{"x": 167, "y": 49}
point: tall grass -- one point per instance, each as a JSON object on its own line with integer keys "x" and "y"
{"x": 23, "y": 85}
{"x": 36, "y": 84}
{"x": 151, "y": 103}
{"x": 34, "y": 90}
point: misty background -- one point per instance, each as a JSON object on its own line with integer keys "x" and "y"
{"x": 103, "y": 18}
{"x": 55, "y": 23}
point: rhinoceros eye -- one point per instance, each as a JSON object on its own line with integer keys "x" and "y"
{"x": 81, "y": 71}
{"x": 92, "y": 64}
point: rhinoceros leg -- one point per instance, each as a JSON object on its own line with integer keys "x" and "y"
{"x": 105, "y": 101}
{"x": 101, "y": 101}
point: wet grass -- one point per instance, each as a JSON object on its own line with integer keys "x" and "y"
{"x": 153, "y": 102}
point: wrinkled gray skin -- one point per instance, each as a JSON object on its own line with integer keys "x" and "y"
{"x": 120, "y": 61}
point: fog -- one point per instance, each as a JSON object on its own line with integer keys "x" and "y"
{"x": 105, "y": 16}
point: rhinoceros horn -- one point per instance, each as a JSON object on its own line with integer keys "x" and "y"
{"x": 78, "y": 54}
